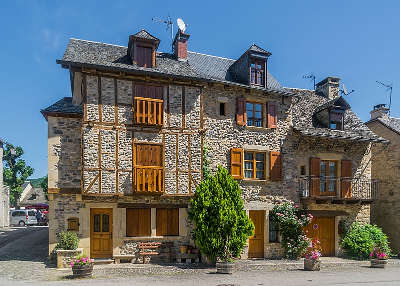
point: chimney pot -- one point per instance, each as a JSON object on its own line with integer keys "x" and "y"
{"x": 379, "y": 111}
{"x": 329, "y": 87}
{"x": 180, "y": 45}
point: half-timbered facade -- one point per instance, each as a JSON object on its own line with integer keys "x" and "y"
{"x": 126, "y": 151}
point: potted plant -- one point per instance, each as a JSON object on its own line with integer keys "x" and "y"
{"x": 378, "y": 258}
{"x": 82, "y": 266}
{"x": 312, "y": 260}
{"x": 221, "y": 225}
{"x": 67, "y": 248}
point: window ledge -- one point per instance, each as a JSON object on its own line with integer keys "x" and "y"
{"x": 259, "y": 128}
{"x": 255, "y": 180}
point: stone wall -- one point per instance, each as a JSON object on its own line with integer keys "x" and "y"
{"x": 386, "y": 167}
{"x": 4, "y": 195}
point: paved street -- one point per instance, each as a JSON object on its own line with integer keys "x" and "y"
{"x": 23, "y": 261}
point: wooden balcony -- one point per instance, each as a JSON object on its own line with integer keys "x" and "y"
{"x": 149, "y": 179}
{"x": 148, "y": 111}
{"x": 338, "y": 190}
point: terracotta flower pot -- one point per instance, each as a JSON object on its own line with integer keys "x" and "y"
{"x": 225, "y": 267}
{"x": 81, "y": 271}
{"x": 378, "y": 263}
{"x": 183, "y": 249}
{"x": 312, "y": 264}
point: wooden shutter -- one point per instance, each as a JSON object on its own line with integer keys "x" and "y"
{"x": 272, "y": 114}
{"x": 237, "y": 163}
{"x": 148, "y": 155}
{"x": 241, "y": 116}
{"x": 167, "y": 222}
{"x": 346, "y": 175}
{"x": 315, "y": 169}
{"x": 275, "y": 166}
{"x": 138, "y": 222}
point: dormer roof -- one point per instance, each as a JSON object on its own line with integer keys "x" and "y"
{"x": 143, "y": 34}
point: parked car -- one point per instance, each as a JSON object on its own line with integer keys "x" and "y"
{"x": 23, "y": 217}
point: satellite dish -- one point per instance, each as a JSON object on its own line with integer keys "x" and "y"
{"x": 345, "y": 90}
{"x": 181, "y": 25}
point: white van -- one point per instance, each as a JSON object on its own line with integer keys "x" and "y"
{"x": 23, "y": 217}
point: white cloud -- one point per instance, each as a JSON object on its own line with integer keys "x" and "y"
{"x": 51, "y": 39}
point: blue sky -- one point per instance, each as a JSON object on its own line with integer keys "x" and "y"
{"x": 355, "y": 40}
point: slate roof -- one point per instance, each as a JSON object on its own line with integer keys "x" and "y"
{"x": 256, "y": 48}
{"x": 114, "y": 58}
{"x": 390, "y": 122}
{"x": 333, "y": 102}
{"x": 143, "y": 34}
{"x": 63, "y": 106}
{"x": 307, "y": 102}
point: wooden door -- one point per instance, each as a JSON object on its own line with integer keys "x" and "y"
{"x": 323, "y": 228}
{"x": 256, "y": 242}
{"x": 101, "y": 233}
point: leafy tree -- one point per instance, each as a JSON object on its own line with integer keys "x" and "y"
{"x": 206, "y": 163}
{"x": 44, "y": 186}
{"x": 221, "y": 225}
{"x": 15, "y": 171}
{"x": 291, "y": 220}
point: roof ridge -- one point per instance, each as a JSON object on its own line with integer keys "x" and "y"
{"x": 296, "y": 88}
{"x": 211, "y": 56}
{"x": 98, "y": 42}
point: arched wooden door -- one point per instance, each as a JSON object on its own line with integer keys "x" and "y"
{"x": 323, "y": 228}
{"x": 101, "y": 233}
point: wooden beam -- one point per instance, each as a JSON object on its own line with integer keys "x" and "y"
{"x": 177, "y": 162}
{"x": 189, "y": 163}
{"x": 99, "y": 161}
{"x": 183, "y": 108}
{"x": 100, "y": 105}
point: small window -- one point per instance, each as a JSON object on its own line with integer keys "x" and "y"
{"x": 336, "y": 119}
{"x": 254, "y": 165}
{"x": 257, "y": 72}
{"x": 222, "y": 108}
{"x": 302, "y": 170}
{"x": 73, "y": 224}
{"x": 254, "y": 114}
{"x": 167, "y": 222}
{"x": 31, "y": 213}
{"x": 273, "y": 231}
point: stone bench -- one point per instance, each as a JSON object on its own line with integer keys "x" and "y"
{"x": 188, "y": 258}
{"x": 118, "y": 258}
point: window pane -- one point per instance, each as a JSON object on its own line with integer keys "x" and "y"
{"x": 106, "y": 223}
{"x": 248, "y": 174}
{"x": 250, "y": 122}
{"x": 332, "y": 169}
{"x": 260, "y": 166}
{"x": 331, "y": 187}
{"x": 322, "y": 186}
{"x": 323, "y": 168}
{"x": 248, "y": 165}
{"x": 248, "y": 156}
{"x": 96, "y": 223}
{"x": 258, "y": 107}
{"x": 260, "y": 157}
{"x": 260, "y": 175}
{"x": 249, "y": 108}
{"x": 258, "y": 123}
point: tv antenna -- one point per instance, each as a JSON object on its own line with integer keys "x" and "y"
{"x": 168, "y": 22}
{"x": 310, "y": 76}
{"x": 388, "y": 87}
{"x": 345, "y": 91}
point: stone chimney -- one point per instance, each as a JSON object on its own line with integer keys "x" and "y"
{"x": 379, "y": 111}
{"x": 180, "y": 45}
{"x": 328, "y": 87}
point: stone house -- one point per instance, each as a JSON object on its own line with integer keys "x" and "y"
{"x": 126, "y": 150}
{"x": 31, "y": 195}
{"x": 386, "y": 168}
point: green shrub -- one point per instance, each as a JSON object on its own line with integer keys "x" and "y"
{"x": 221, "y": 225}
{"x": 67, "y": 240}
{"x": 361, "y": 239}
{"x": 291, "y": 220}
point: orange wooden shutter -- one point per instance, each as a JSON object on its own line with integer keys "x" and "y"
{"x": 138, "y": 222}
{"x": 161, "y": 222}
{"x": 241, "y": 116}
{"x": 346, "y": 174}
{"x": 315, "y": 170}
{"x": 167, "y": 221}
{"x": 275, "y": 166}
{"x": 237, "y": 163}
{"x": 272, "y": 114}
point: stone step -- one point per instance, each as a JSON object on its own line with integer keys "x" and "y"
{"x": 98, "y": 261}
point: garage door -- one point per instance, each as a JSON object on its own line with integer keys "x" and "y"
{"x": 323, "y": 228}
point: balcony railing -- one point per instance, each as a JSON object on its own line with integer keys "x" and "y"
{"x": 338, "y": 188}
{"x": 148, "y": 111}
{"x": 149, "y": 179}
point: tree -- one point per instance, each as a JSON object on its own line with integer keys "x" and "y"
{"x": 15, "y": 171}
{"x": 221, "y": 225}
{"x": 44, "y": 186}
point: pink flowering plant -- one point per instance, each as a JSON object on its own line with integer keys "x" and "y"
{"x": 291, "y": 220}
{"x": 314, "y": 250}
{"x": 80, "y": 261}
{"x": 377, "y": 253}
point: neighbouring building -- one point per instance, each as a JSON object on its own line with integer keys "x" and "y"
{"x": 386, "y": 167}
{"x": 32, "y": 194}
{"x": 125, "y": 151}
{"x": 4, "y": 194}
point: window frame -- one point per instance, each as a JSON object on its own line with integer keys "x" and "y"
{"x": 339, "y": 123}
{"x": 254, "y": 103}
{"x": 254, "y": 162}
{"x": 257, "y": 71}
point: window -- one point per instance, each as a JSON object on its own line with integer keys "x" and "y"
{"x": 222, "y": 108}
{"x": 302, "y": 170}
{"x": 257, "y": 72}
{"x": 148, "y": 105}
{"x": 148, "y": 168}
{"x": 328, "y": 173}
{"x": 31, "y": 213}
{"x": 167, "y": 222}
{"x": 336, "y": 119}
{"x": 273, "y": 231}
{"x": 138, "y": 222}
{"x": 254, "y": 114}
{"x": 73, "y": 224}
{"x": 254, "y": 165}
{"x": 144, "y": 56}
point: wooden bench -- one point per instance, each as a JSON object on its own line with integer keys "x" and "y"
{"x": 146, "y": 249}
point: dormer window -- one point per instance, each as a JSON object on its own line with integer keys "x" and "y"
{"x": 142, "y": 48}
{"x": 257, "y": 74}
{"x": 336, "y": 119}
{"x": 144, "y": 56}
